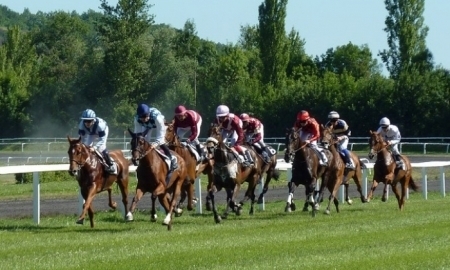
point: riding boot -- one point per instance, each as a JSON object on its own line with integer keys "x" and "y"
{"x": 109, "y": 163}
{"x": 199, "y": 151}
{"x": 348, "y": 160}
{"x": 266, "y": 154}
{"x": 398, "y": 160}
{"x": 249, "y": 157}
{"x": 173, "y": 162}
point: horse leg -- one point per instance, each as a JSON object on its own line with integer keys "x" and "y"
{"x": 208, "y": 203}
{"x": 134, "y": 202}
{"x": 385, "y": 191}
{"x": 400, "y": 199}
{"x": 112, "y": 204}
{"x": 230, "y": 204}
{"x": 357, "y": 177}
{"x": 266, "y": 186}
{"x": 252, "y": 195}
{"x": 91, "y": 215}
{"x": 169, "y": 216}
{"x": 211, "y": 192}
{"x": 88, "y": 196}
{"x": 123, "y": 186}
{"x": 290, "y": 205}
{"x": 309, "y": 192}
{"x": 372, "y": 190}
{"x": 190, "y": 195}
{"x": 153, "y": 215}
{"x": 347, "y": 197}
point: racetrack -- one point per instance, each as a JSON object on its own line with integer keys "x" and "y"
{"x": 49, "y": 207}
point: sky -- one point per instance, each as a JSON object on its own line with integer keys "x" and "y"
{"x": 323, "y": 24}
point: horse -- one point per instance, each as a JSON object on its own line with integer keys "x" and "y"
{"x": 193, "y": 169}
{"x": 268, "y": 168}
{"x": 386, "y": 171}
{"x": 306, "y": 170}
{"x": 154, "y": 177}
{"x": 230, "y": 174}
{"x": 88, "y": 168}
{"x": 341, "y": 175}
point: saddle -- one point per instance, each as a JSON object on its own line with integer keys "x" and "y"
{"x": 193, "y": 150}
{"x": 104, "y": 164}
{"x": 165, "y": 158}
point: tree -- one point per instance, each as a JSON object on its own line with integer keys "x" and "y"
{"x": 17, "y": 58}
{"x": 273, "y": 44}
{"x": 406, "y": 37}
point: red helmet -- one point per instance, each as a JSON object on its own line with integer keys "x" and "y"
{"x": 303, "y": 116}
{"x": 180, "y": 110}
{"x": 244, "y": 117}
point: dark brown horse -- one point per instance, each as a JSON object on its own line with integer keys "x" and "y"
{"x": 338, "y": 173}
{"x": 194, "y": 168}
{"x": 306, "y": 170}
{"x": 92, "y": 177}
{"x": 385, "y": 170}
{"x": 230, "y": 174}
{"x": 152, "y": 174}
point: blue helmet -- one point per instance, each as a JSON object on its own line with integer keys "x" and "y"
{"x": 88, "y": 114}
{"x": 142, "y": 110}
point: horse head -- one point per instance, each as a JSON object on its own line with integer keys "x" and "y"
{"x": 216, "y": 146}
{"x": 328, "y": 138}
{"x": 171, "y": 136}
{"x": 376, "y": 144}
{"x": 293, "y": 144}
{"x": 139, "y": 146}
{"x": 79, "y": 155}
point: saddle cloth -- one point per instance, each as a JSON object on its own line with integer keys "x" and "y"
{"x": 166, "y": 158}
{"x": 193, "y": 150}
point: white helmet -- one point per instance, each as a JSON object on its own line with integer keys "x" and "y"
{"x": 385, "y": 121}
{"x": 88, "y": 114}
{"x": 222, "y": 110}
{"x": 333, "y": 115}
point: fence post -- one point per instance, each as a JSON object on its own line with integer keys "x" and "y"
{"x": 36, "y": 198}
{"x": 424, "y": 183}
{"x": 262, "y": 206}
{"x": 442, "y": 176}
{"x": 425, "y": 148}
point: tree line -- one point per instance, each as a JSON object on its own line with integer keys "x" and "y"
{"x": 54, "y": 65}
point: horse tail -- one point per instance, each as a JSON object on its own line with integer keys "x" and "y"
{"x": 363, "y": 165}
{"x": 413, "y": 184}
{"x": 276, "y": 174}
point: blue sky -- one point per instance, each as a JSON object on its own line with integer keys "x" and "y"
{"x": 323, "y": 24}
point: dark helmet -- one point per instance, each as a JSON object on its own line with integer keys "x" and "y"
{"x": 143, "y": 110}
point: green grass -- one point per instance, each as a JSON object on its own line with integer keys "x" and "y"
{"x": 363, "y": 236}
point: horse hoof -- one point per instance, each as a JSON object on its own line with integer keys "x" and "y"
{"x": 350, "y": 202}
{"x": 293, "y": 207}
{"x": 190, "y": 208}
{"x": 383, "y": 199}
{"x": 239, "y": 211}
{"x": 129, "y": 217}
{"x": 218, "y": 220}
{"x": 194, "y": 201}
{"x": 287, "y": 209}
{"x": 153, "y": 218}
{"x": 327, "y": 212}
{"x": 80, "y": 221}
{"x": 316, "y": 207}
{"x": 166, "y": 221}
{"x": 260, "y": 200}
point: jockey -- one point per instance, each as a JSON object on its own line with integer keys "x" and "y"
{"x": 391, "y": 135}
{"x": 341, "y": 131}
{"x": 231, "y": 126}
{"x": 149, "y": 118}
{"x": 309, "y": 132}
{"x": 92, "y": 127}
{"x": 254, "y": 134}
{"x": 185, "y": 121}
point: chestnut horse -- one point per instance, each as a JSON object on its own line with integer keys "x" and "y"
{"x": 152, "y": 174}
{"x": 386, "y": 171}
{"x": 340, "y": 174}
{"x": 306, "y": 170}
{"x": 193, "y": 169}
{"x": 268, "y": 168}
{"x": 92, "y": 177}
{"x": 230, "y": 174}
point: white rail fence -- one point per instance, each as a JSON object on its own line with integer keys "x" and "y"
{"x": 36, "y": 169}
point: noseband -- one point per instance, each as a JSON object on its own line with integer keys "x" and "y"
{"x": 78, "y": 162}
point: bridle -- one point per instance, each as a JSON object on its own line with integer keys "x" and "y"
{"x": 80, "y": 162}
{"x": 376, "y": 150}
{"x": 139, "y": 147}
{"x": 290, "y": 139}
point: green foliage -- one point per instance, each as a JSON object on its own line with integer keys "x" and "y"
{"x": 44, "y": 177}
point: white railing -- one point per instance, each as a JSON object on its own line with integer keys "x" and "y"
{"x": 282, "y": 165}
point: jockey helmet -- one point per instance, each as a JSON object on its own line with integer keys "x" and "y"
{"x": 303, "y": 116}
{"x": 142, "y": 110}
{"x": 333, "y": 115}
{"x": 385, "y": 121}
{"x": 88, "y": 114}
{"x": 244, "y": 117}
{"x": 180, "y": 110}
{"x": 222, "y": 110}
